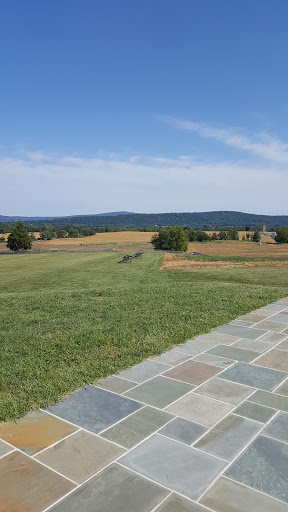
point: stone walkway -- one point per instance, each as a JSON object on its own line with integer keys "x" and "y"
{"x": 201, "y": 427}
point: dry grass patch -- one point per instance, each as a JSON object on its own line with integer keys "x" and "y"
{"x": 174, "y": 261}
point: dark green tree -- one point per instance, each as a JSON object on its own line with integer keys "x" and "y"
{"x": 282, "y": 235}
{"x": 256, "y": 237}
{"x": 171, "y": 239}
{"x": 19, "y": 238}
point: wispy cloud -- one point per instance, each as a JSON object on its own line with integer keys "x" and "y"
{"x": 261, "y": 144}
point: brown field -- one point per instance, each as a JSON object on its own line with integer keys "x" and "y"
{"x": 231, "y": 248}
{"x": 265, "y": 238}
{"x": 120, "y": 239}
{"x": 174, "y": 261}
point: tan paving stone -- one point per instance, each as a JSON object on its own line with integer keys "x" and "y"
{"x": 35, "y": 431}
{"x": 200, "y": 409}
{"x": 276, "y": 359}
{"x": 193, "y": 372}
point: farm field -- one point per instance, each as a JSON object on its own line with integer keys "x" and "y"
{"x": 68, "y": 319}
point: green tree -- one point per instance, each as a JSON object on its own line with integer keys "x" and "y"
{"x": 282, "y": 235}
{"x": 171, "y": 239}
{"x": 19, "y": 238}
{"x": 256, "y": 237}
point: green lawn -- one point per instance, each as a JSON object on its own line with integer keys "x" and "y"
{"x": 69, "y": 319}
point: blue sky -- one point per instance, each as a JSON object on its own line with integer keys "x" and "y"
{"x": 146, "y": 106}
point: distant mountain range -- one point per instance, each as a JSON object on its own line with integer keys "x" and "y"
{"x": 198, "y": 220}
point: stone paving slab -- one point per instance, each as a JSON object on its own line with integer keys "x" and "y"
{"x": 202, "y": 427}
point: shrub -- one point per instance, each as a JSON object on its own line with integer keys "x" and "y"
{"x": 171, "y": 239}
{"x": 19, "y": 238}
{"x": 282, "y": 235}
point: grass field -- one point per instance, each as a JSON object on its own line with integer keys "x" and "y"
{"x": 69, "y": 319}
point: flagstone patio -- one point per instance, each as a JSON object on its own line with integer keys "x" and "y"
{"x": 203, "y": 427}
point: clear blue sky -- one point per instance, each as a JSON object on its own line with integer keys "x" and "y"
{"x": 143, "y": 105}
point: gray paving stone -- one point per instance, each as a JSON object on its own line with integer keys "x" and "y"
{"x": 269, "y": 325}
{"x": 283, "y": 389}
{"x": 160, "y": 391}
{"x": 137, "y": 427}
{"x": 283, "y": 345}
{"x": 80, "y": 456}
{"x": 5, "y": 448}
{"x": 280, "y": 318}
{"x": 115, "y": 384}
{"x": 172, "y": 357}
{"x": 183, "y": 430}
{"x": 263, "y": 466}
{"x": 195, "y": 347}
{"x": 94, "y": 408}
{"x": 144, "y": 371}
{"x": 217, "y": 337}
{"x": 273, "y": 400}
{"x": 277, "y": 306}
{"x": 254, "y": 345}
{"x": 176, "y": 503}
{"x": 255, "y": 376}
{"x": 228, "y": 437}
{"x": 229, "y": 496}
{"x": 278, "y": 428}
{"x": 199, "y": 409}
{"x": 273, "y": 337}
{"x": 255, "y": 411}
{"x": 174, "y": 465}
{"x": 225, "y": 391}
{"x": 221, "y": 362}
{"x": 242, "y": 323}
{"x": 115, "y": 489}
{"x": 234, "y": 353}
{"x": 241, "y": 332}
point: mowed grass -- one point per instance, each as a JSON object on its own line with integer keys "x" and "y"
{"x": 69, "y": 319}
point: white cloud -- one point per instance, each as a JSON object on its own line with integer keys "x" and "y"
{"x": 67, "y": 185}
{"x": 261, "y": 144}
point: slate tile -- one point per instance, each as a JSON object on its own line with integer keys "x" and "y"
{"x": 174, "y": 465}
{"x": 254, "y": 345}
{"x": 35, "y": 431}
{"x": 144, "y": 371}
{"x": 255, "y": 411}
{"x": 115, "y": 384}
{"x": 273, "y": 337}
{"x": 273, "y": 400}
{"x": 195, "y": 347}
{"x": 283, "y": 345}
{"x": 254, "y": 317}
{"x": 26, "y": 485}
{"x": 176, "y": 503}
{"x": 217, "y": 337}
{"x": 94, "y": 409}
{"x": 269, "y": 325}
{"x": 115, "y": 489}
{"x": 229, "y": 496}
{"x": 228, "y": 437}
{"x": 183, "y": 430}
{"x": 222, "y": 362}
{"x": 159, "y": 392}
{"x": 242, "y": 323}
{"x": 277, "y": 359}
{"x": 241, "y": 332}
{"x": 283, "y": 389}
{"x": 137, "y": 427}
{"x": 254, "y": 376}
{"x": 225, "y": 391}
{"x": 278, "y": 427}
{"x": 172, "y": 357}
{"x": 263, "y": 466}
{"x": 199, "y": 409}
{"x": 234, "y": 353}
{"x": 277, "y": 306}
{"x": 279, "y": 317}
{"x": 80, "y": 456}
{"x": 193, "y": 372}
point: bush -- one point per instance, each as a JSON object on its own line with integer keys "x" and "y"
{"x": 171, "y": 239}
{"x": 256, "y": 237}
{"x": 19, "y": 239}
{"x": 282, "y": 235}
